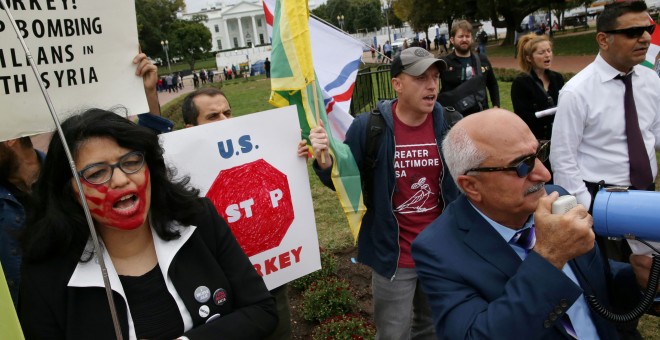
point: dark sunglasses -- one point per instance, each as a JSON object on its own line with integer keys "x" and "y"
{"x": 526, "y": 165}
{"x": 633, "y": 32}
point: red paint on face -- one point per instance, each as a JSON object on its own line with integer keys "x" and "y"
{"x": 124, "y": 219}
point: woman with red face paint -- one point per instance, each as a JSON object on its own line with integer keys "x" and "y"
{"x": 537, "y": 88}
{"x": 175, "y": 268}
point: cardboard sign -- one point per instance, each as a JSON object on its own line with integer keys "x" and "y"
{"x": 83, "y": 51}
{"x": 248, "y": 166}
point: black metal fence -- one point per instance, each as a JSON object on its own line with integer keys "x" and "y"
{"x": 370, "y": 87}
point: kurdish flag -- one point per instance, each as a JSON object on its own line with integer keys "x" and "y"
{"x": 654, "y": 48}
{"x": 293, "y": 82}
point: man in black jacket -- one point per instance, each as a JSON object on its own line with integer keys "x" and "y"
{"x": 462, "y": 66}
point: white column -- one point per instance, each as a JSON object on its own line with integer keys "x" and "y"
{"x": 240, "y": 32}
{"x": 227, "y": 41}
{"x": 254, "y": 30}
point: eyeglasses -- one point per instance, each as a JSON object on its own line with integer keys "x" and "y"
{"x": 101, "y": 173}
{"x": 526, "y": 164}
{"x": 633, "y": 32}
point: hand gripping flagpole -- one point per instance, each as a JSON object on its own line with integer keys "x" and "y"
{"x": 90, "y": 223}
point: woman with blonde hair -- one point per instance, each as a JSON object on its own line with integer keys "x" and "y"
{"x": 537, "y": 88}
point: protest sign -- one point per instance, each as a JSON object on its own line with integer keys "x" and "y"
{"x": 249, "y": 168}
{"x": 84, "y": 52}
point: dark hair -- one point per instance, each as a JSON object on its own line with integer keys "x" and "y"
{"x": 608, "y": 17}
{"x": 188, "y": 108}
{"x": 26, "y": 142}
{"x": 56, "y": 223}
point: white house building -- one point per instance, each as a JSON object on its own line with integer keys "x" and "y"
{"x": 234, "y": 26}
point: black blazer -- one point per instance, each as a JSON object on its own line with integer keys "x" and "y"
{"x": 50, "y": 308}
{"x": 528, "y": 97}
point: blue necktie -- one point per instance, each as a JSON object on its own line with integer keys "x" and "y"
{"x": 526, "y": 239}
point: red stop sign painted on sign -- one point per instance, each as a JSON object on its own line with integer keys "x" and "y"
{"x": 255, "y": 200}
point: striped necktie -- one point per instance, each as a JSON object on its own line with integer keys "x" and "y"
{"x": 526, "y": 239}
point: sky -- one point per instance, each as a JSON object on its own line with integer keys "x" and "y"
{"x": 197, "y": 5}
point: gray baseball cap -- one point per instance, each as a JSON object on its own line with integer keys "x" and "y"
{"x": 415, "y": 61}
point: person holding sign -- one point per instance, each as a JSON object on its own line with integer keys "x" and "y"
{"x": 20, "y": 164}
{"x": 174, "y": 265}
{"x": 209, "y": 105}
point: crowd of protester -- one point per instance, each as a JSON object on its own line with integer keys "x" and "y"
{"x": 458, "y": 230}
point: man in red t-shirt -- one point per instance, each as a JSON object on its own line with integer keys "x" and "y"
{"x": 411, "y": 186}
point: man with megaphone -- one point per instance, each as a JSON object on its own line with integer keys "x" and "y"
{"x": 498, "y": 264}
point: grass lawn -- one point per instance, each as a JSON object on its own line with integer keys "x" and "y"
{"x": 251, "y": 95}
{"x": 583, "y": 43}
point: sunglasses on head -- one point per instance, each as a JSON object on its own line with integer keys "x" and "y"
{"x": 525, "y": 166}
{"x": 633, "y": 32}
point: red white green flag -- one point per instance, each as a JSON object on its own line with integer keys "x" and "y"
{"x": 654, "y": 48}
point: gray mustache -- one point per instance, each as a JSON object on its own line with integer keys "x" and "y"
{"x": 534, "y": 188}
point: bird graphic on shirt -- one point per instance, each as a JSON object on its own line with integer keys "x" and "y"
{"x": 415, "y": 203}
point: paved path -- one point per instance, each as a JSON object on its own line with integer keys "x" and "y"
{"x": 166, "y": 97}
{"x": 559, "y": 63}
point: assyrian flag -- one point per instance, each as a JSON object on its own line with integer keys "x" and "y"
{"x": 654, "y": 48}
{"x": 293, "y": 82}
{"x": 336, "y": 59}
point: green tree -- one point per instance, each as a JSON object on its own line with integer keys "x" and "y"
{"x": 358, "y": 14}
{"x": 366, "y": 14}
{"x": 424, "y": 14}
{"x": 513, "y": 12}
{"x": 154, "y": 20}
{"x": 420, "y": 14}
{"x": 392, "y": 18}
{"x": 559, "y": 9}
{"x": 191, "y": 40}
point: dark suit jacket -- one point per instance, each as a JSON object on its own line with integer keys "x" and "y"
{"x": 51, "y": 308}
{"x": 478, "y": 288}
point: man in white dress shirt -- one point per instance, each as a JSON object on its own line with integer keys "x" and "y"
{"x": 589, "y": 140}
{"x": 594, "y": 136}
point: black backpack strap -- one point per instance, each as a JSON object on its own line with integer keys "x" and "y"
{"x": 452, "y": 116}
{"x": 477, "y": 61}
{"x": 375, "y": 129}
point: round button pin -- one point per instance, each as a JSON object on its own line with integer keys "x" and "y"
{"x": 204, "y": 311}
{"x": 202, "y": 294}
{"x": 219, "y": 297}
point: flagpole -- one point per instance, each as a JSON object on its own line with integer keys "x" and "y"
{"x": 346, "y": 34}
{"x": 90, "y": 223}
